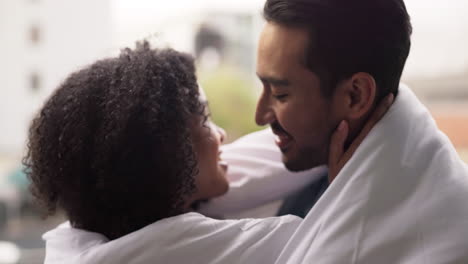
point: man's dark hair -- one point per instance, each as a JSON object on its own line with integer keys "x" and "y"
{"x": 112, "y": 146}
{"x": 350, "y": 36}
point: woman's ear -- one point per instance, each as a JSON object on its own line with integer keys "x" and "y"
{"x": 360, "y": 92}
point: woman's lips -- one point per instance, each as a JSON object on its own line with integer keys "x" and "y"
{"x": 223, "y": 165}
{"x": 283, "y": 141}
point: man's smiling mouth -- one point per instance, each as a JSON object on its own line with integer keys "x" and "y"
{"x": 282, "y": 139}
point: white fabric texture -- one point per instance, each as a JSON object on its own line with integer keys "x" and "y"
{"x": 402, "y": 198}
{"x": 188, "y": 238}
{"x": 257, "y": 175}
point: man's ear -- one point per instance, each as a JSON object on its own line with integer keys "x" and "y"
{"x": 360, "y": 91}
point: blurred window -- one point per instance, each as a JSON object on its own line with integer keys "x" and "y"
{"x": 34, "y": 82}
{"x": 34, "y": 34}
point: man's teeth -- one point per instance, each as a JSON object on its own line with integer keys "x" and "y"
{"x": 280, "y": 138}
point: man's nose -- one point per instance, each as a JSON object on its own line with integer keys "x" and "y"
{"x": 264, "y": 114}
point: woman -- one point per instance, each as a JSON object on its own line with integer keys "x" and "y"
{"x": 124, "y": 147}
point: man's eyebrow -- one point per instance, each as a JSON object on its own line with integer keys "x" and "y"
{"x": 274, "y": 81}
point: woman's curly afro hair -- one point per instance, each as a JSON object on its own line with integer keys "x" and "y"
{"x": 112, "y": 146}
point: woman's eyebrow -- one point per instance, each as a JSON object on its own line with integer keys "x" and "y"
{"x": 206, "y": 104}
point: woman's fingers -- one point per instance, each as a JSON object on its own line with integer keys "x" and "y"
{"x": 337, "y": 156}
{"x": 378, "y": 113}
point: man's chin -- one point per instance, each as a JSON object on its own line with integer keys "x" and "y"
{"x": 297, "y": 165}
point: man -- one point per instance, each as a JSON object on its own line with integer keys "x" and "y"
{"x": 308, "y": 55}
{"x": 402, "y": 197}
{"x": 321, "y": 62}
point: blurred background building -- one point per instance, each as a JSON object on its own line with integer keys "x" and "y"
{"x": 42, "y": 41}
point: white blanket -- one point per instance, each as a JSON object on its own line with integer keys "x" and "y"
{"x": 188, "y": 238}
{"x": 402, "y": 198}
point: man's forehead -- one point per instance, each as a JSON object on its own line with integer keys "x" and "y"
{"x": 280, "y": 49}
{"x": 285, "y": 39}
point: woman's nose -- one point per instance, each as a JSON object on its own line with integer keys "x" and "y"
{"x": 222, "y": 134}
